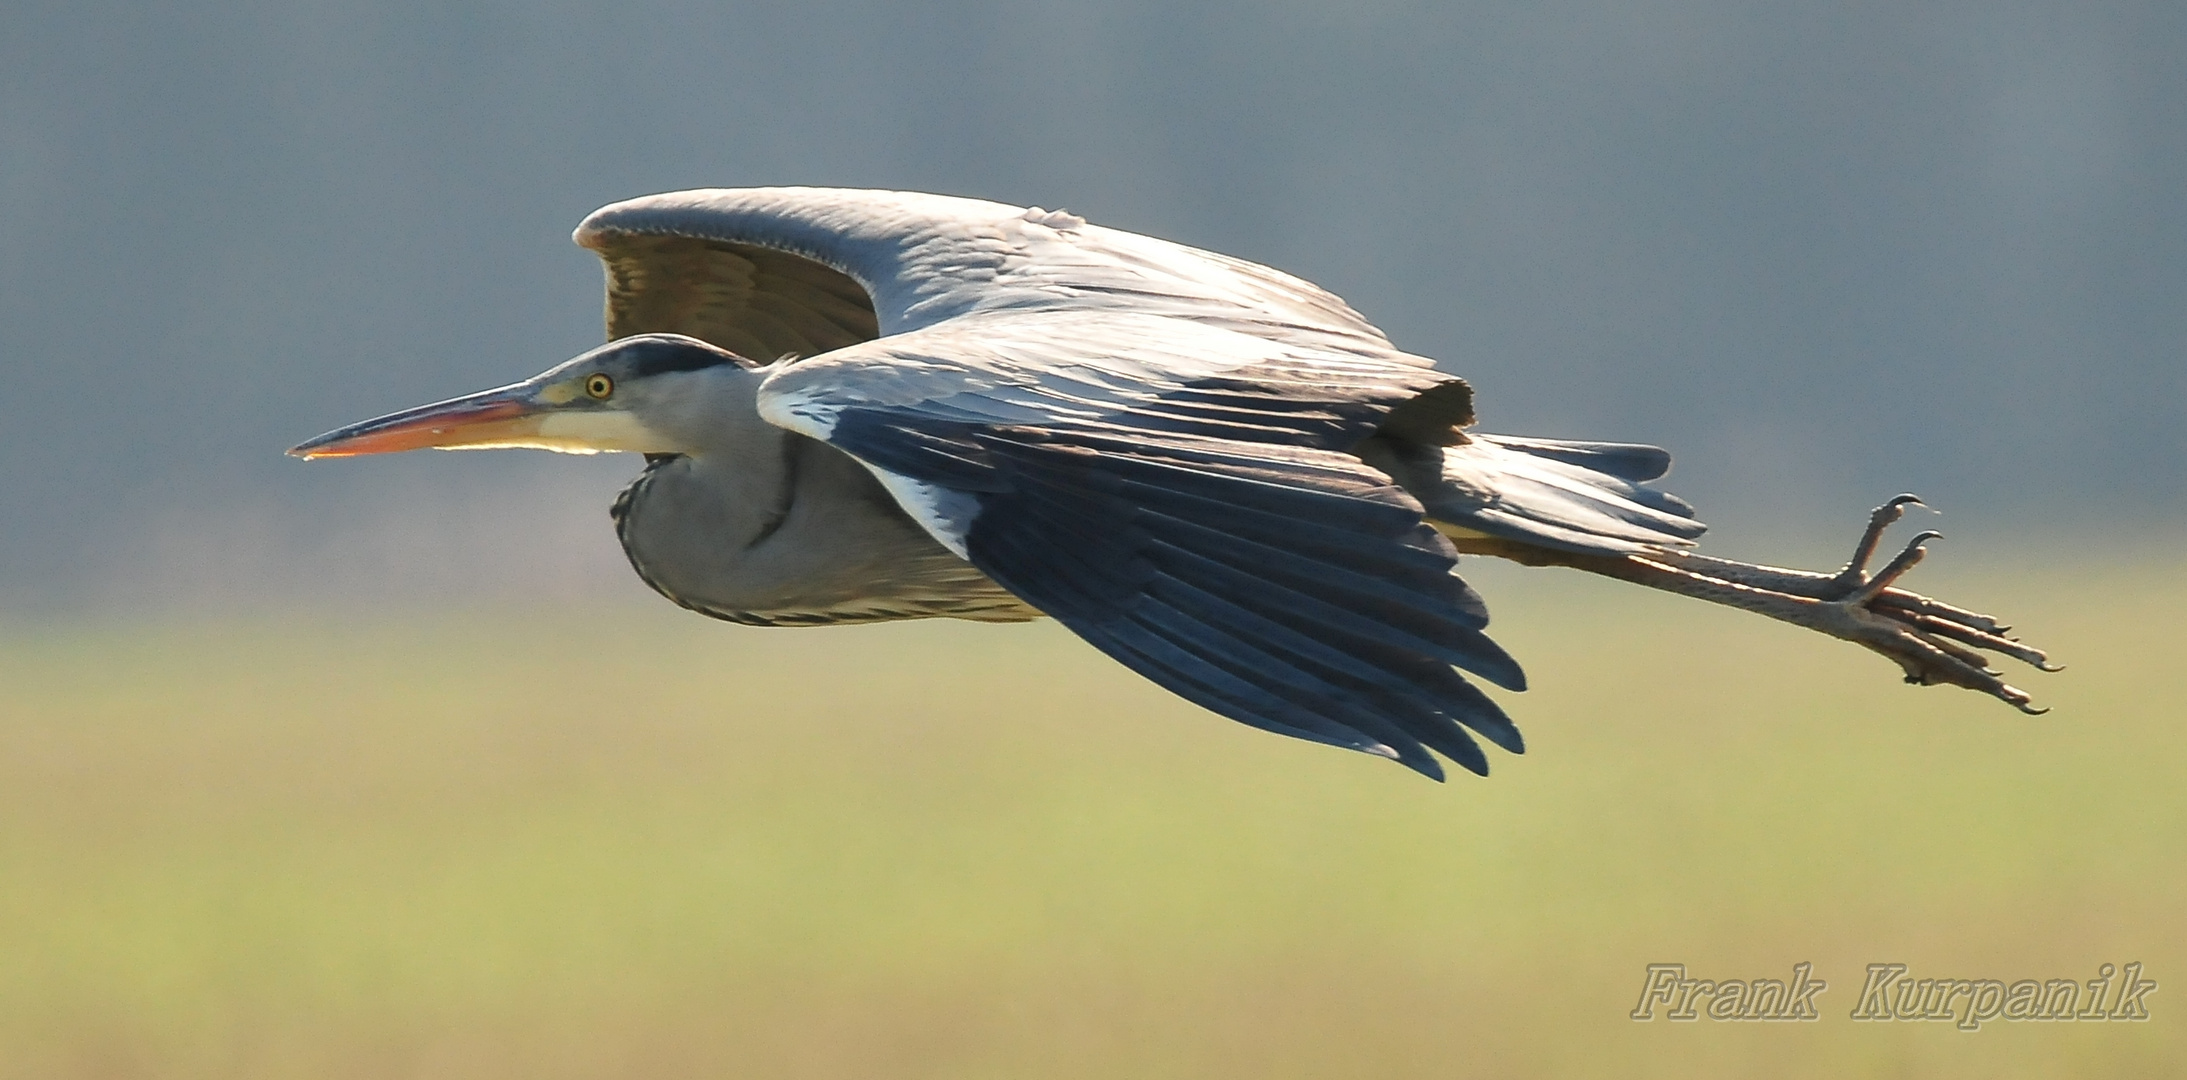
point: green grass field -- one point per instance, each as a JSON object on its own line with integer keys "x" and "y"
{"x": 633, "y": 843}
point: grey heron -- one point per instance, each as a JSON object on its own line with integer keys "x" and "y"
{"x": 864, "y": 405}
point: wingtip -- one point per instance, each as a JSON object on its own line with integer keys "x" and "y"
{"x": 1420, "y": 762}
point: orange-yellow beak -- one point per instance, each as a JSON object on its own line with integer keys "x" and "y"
{"x": 508, "y": 417}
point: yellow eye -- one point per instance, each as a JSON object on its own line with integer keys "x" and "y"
{"x": 599, "y": 386}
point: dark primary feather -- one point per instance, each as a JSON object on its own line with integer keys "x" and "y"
{"x": 1291, "y": 588}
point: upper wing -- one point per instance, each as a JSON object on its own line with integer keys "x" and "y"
{"x": 769, "y": 271}
{"x": 1177, "y": 495}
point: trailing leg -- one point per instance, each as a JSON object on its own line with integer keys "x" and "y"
{"x": 1932, "y": 642}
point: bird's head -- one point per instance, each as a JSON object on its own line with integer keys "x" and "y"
{"x": 646, "y": 394}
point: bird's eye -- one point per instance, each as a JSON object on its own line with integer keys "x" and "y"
{"x": 599, "y": 386}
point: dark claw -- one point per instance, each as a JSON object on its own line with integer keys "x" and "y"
{"x": 1883, "y": 517}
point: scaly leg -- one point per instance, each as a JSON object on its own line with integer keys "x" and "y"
{"x": 1932, "y": 642}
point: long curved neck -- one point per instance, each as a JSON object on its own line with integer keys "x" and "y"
{"x": 689, "y": 522}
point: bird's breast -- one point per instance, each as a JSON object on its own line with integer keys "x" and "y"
{"x": 793, "y": 533}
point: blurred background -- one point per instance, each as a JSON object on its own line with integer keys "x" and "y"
{"x": 1824, "y": 255}
{"x": 391, "y": 767}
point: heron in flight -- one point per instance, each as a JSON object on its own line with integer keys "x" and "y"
{"x": 867, "y": 405}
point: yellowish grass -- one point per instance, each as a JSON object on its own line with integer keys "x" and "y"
{"x": 575, "y": 843}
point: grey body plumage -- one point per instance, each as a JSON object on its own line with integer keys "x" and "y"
{"x": 861, "y": 405}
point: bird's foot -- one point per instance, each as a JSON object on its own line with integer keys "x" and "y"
{"x": 1932, "y": 642}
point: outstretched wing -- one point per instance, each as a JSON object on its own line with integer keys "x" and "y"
{"x": 770, "y": 271}
{"x": 1175, "y": 494}
{"x": 1145, "y": 441}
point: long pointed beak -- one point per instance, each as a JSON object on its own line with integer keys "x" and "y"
{"x": 494, "y": 418}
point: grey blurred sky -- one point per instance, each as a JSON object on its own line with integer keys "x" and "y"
{"x": 1824, "y": 252}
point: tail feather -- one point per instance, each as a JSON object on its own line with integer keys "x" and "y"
{"x": 1573, "y": 496}
{"x": 1637, "y": 462}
